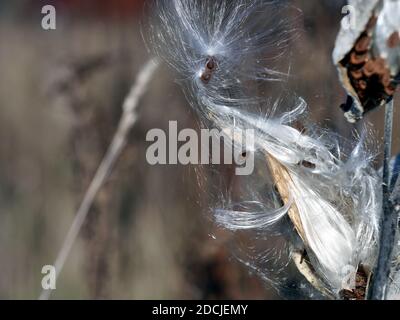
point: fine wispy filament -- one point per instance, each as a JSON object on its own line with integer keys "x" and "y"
{"x": 328, "y": 190}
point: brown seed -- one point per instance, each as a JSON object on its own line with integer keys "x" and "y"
{"x": 205, "y": 77}
{"x": 361, "y": 282}
{"x": 358, "y": 59}
{"x": 386, "y": 79}
{"x": 362, "y": 44}
{"x": 361, "y": 95}
{"x": 209, "y": 68}
{"x": 307, "y": 164}
{"x": 394, "y": 40}
{"x": 356, "y": 74}
{"x": 210, "y": 64}
{"x": 380, "y": 66}
{"x": 390, "y": 89}
{"x": 362, "y": 84}
{"x": 369, "y": 68}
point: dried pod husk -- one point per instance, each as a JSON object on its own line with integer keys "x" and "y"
{"x": 372, "y": 44}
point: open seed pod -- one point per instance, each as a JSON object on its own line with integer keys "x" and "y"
{"x": 367, "y": 55}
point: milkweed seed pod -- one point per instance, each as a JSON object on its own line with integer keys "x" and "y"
{"x": 367, "y": 55}
{"x": 332, "y": 199}
{"x": 307, "y": 217}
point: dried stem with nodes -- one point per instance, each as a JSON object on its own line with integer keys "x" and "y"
{"x": 127, "y": 121}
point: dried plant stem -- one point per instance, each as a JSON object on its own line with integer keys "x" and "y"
{"x": 128, "y": 119}
{"x": 395, "y": 174}
{"x": 389, "y": 217}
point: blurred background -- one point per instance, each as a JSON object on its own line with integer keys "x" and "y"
{"x": 148, "y": 235}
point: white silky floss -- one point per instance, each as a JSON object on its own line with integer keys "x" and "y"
{"x": 217, "y": 48}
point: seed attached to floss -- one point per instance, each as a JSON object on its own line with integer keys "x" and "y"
{"x": 357, "y": 74}
{"x": 209, "y": 69}
{"x": 369, "y": 68}
{"x": 205, "y": 77}
{"x": 210, "y": 65}
{"x": 307, "y": 164}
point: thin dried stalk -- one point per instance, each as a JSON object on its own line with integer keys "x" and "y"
{"x": 128, "y": 119}
{"x": 389, "y": 218}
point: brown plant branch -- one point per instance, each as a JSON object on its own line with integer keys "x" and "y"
{"x": 128, "y": 119}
